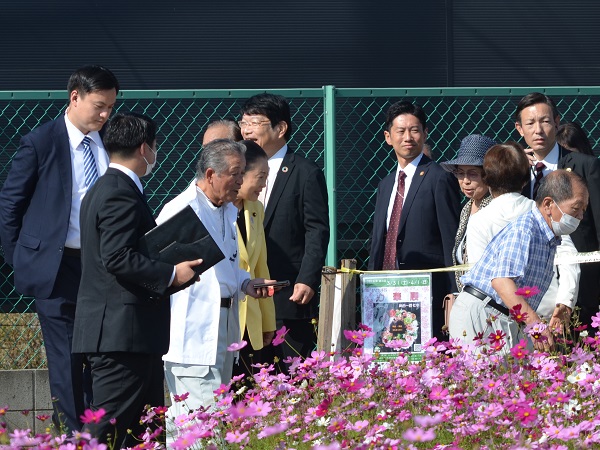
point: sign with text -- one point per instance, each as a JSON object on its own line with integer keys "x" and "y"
{"x": 398, "y": 309}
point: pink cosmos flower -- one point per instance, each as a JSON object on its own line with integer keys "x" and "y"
{"x": 535, "y": 330}
{"x": 237, "y": 346}
{"x": 354, "y": 336}
{"x": 360, "y": 425}
{"x": 419, "y": 435}
{"x": 519, "y": 352}
{"x": 596, "y": 320}
{"x": 527, "y": 291}
{"x": 275, "y": 429}
{"x": 180, "y": 398}
{"x": 438, "y": 393}
{"x": 517, "y": 315}
{"x": 42, "y": 417}
{"x": 397, "y": 344}
{"x": 236, "y": 437}
{"x": 496, "y": 336}
{"x": 526, "y": 414}
{"x": 352, "y": 385}
{"x": 223, "y": 389}
{"x": 428, "y": 421}
{"x": 90, "y": 416}
{"x": 260, "y": 408}
{"x": 280, "y": 336}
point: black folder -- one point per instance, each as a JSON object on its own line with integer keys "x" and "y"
{"x": 182, "y": 237}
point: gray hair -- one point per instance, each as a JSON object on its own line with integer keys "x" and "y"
{"x": 232, "y": 127}
{"x": 214, "y": 156}
{"x": 558, "y": 185}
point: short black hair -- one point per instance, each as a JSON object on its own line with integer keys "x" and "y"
{"x": 126, "y": 132}
{"x": 535, "y": 98}
{"x": 275, "y": 107}
{"x": 253, "y": 153}
{"x": 404, "y": 107}
{"x": 92, "y": 79}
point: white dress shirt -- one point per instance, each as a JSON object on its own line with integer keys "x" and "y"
{"x": 274, "y": 166}
{"x": 79, "y": 189}
{"x": 409, "y": 170}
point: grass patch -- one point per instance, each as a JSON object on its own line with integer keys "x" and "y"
{"x": 21, "y": 343}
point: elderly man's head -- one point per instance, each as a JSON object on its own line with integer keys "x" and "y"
{"x": 222, "y": 129}
{"x": 562, "y": 199}
{"x": 220, "y": 170}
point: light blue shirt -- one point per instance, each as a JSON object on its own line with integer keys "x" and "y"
{"x": 524, "y": 250}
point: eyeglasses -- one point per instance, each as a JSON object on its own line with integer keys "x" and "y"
{"x": 253, "y": 124}
{"x": 470, "y": 174}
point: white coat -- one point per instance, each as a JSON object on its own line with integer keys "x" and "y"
{"x": 195, "y": 311}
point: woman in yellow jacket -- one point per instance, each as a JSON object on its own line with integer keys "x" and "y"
{"x": 257, "y": 316}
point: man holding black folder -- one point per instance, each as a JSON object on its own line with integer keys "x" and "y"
{"x": 204, "y": 317}
{"x": 122, "y": 317}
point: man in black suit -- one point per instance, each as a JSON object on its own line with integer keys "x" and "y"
{"x": 122, "y": 318}
{"x": 537, "y": 121}
{"x": 296, "y": 219}
{"x": 417, "y": 209}
{"x": 39, "y": 225}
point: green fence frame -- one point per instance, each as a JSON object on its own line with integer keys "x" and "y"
{"x": 339, "y": 129}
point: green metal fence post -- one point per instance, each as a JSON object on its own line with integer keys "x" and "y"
{"x": 329, "y": 116}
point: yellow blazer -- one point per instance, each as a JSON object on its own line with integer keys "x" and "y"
{"x": 258, "y": 315}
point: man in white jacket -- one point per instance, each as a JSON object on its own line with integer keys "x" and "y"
{"x": 204, "y": 317}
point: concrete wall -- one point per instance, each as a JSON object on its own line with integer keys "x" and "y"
{"x": 25, "y": 390}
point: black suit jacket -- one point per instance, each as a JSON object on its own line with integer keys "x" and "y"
{"x": 587, "y": 236}
{"x": 427, "y": 230}
{"x": 35, "y": 205}
{"x": 428, "y": 222}
{"x": 297, "y": 232}
{"x": 122, "y": 304}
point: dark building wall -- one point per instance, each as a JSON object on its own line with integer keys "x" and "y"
{"x": 268, "y": 44}
{"x": 225, "y": 45}
{"x": 526, "y": 43}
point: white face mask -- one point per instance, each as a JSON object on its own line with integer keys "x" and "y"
{"x": 566, "y": 225}
{"x": 149, "y": 166}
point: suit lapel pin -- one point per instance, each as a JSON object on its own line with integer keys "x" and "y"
{"x": 284, "y": 169}
{"x": 422, "y": 173}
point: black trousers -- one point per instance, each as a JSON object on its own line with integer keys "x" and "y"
{"x": 70, "y": 381}
{"x": 123, "y": 384}
{"x": 589, "y": 291}
{"x": 301, "y": 339}
{"x": 248, "y": 357}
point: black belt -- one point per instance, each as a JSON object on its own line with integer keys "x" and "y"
{"x": 226, "y": 302}
{"x": 74, "y": 252}
{"x": 483, "y": 297}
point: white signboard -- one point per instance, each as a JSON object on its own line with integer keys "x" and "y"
{"x": 397, "y": 307}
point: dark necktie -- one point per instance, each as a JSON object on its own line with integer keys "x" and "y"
{"x": 89, "y": 164}
{"x": 389, "y": 256}
{"x": 539, "y": 174}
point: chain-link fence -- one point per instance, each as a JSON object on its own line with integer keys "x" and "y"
{"x": 340, "y": 129}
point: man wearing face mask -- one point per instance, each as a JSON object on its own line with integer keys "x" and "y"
{"x": 122, "y": 317}
{"x": 520, "y": 255}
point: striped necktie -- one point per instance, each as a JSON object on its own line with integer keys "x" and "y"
{"x": 89, "y": 164}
